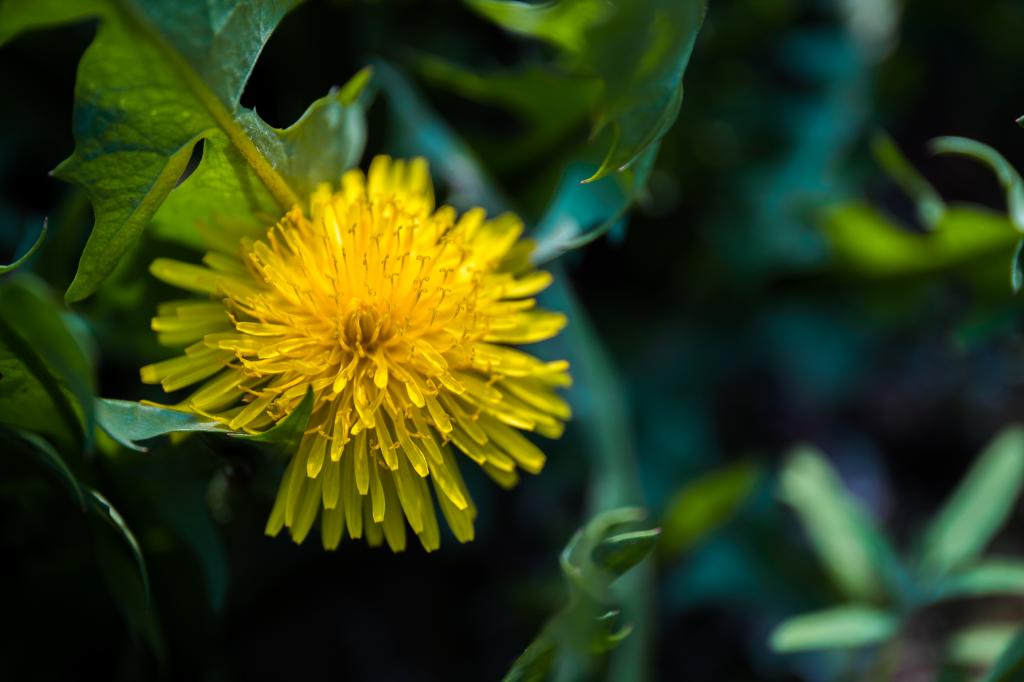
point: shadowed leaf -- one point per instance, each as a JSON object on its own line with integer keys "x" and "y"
{"x": 703, "y": 505}
{"x": 4, "y": 269}
{"x": 638, "y": 51}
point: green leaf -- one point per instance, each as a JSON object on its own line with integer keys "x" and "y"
{"x": 1009, "y": 667}
{"x": 704, "y": 504}
{"x": 590, "y": 625}
{"x": 849, "y": 545}
{"x": 287, "y": 433}
{"x": 123, "y": 568}
{"x": 867, "y": 243}
{"x": 106, "y": 511}
{"x": 4, "y": 269}
{"x": 46, "y": 379}
{"x": 638, "y": 50}
{"x": 127, "y": 421}
{"x": 1017, "y": 267}
{"x": 930, "y": 206}
{"x": 126, "y": 576}
{"x": 1008, "y": 176}
{"x": 222, "y": 201}
{"x": 159, "y": 78}
{"x": 621, "y": 552}
{"x": 843, "y": 627}
{"x": 46, "y": 453}
{"x": 562, "y": 22}
{"x": 978, "y": 508}
{"x": 980, "y": 646}
{"x": 989, "y": 577}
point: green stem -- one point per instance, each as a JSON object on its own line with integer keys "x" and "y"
{"x": 615, "y": 480}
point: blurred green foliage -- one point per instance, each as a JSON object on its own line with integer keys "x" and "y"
{"x": 884, "y": 592}
{"x": 788, "y": 275}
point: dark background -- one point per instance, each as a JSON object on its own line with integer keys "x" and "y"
{"x": 731, "y": 334}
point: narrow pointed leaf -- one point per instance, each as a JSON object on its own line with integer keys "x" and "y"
{"x": 844, "y": 627}
{"x": 979, "y": 506}
{"x": 848, "y": 543}
{"x": 980, "y": 646}
{"x": 1009, "y": 667}
{"x": 128, "y": 422}
{"x": 703, "y": 505}
{"x": 106, "y": 511}
{"x": 990, "y": 577}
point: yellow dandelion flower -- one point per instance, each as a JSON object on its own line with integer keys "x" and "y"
{"x": 400, "y": 319}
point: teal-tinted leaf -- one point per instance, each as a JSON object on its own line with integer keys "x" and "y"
{"x": 582, "y": 212}
{"x": 980, "y": 646}
{"x": 46, "y": 453}
{"x": 1009, "y": 178}
{"x": 989, "y": 577}
{"x": 703, "y": 505}
{"x": 46, "y": 382}
{"x": 849, "y": 545}
{"x": 867, "y": 243}
{"x": 161, "y": 77}
{"x": 106, "y": 511}
{"x": 638, "y": 50}
{"x": 978, "y": 507}
{"x": 4, "y": 269}
{"x": 1009, "y": 667}
{"x": 287, "y": 433}
{"x": 844, "y": 627}
{"x": 127, "y": 421}
{"x": 930, "y": 206}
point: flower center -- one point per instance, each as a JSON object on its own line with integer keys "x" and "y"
{"x": 362, "y": 329}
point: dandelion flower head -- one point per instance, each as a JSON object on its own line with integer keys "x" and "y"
{"x": 400, "y": 318}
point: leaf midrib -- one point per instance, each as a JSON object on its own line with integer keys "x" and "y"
{"x": 279, "y": 189}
